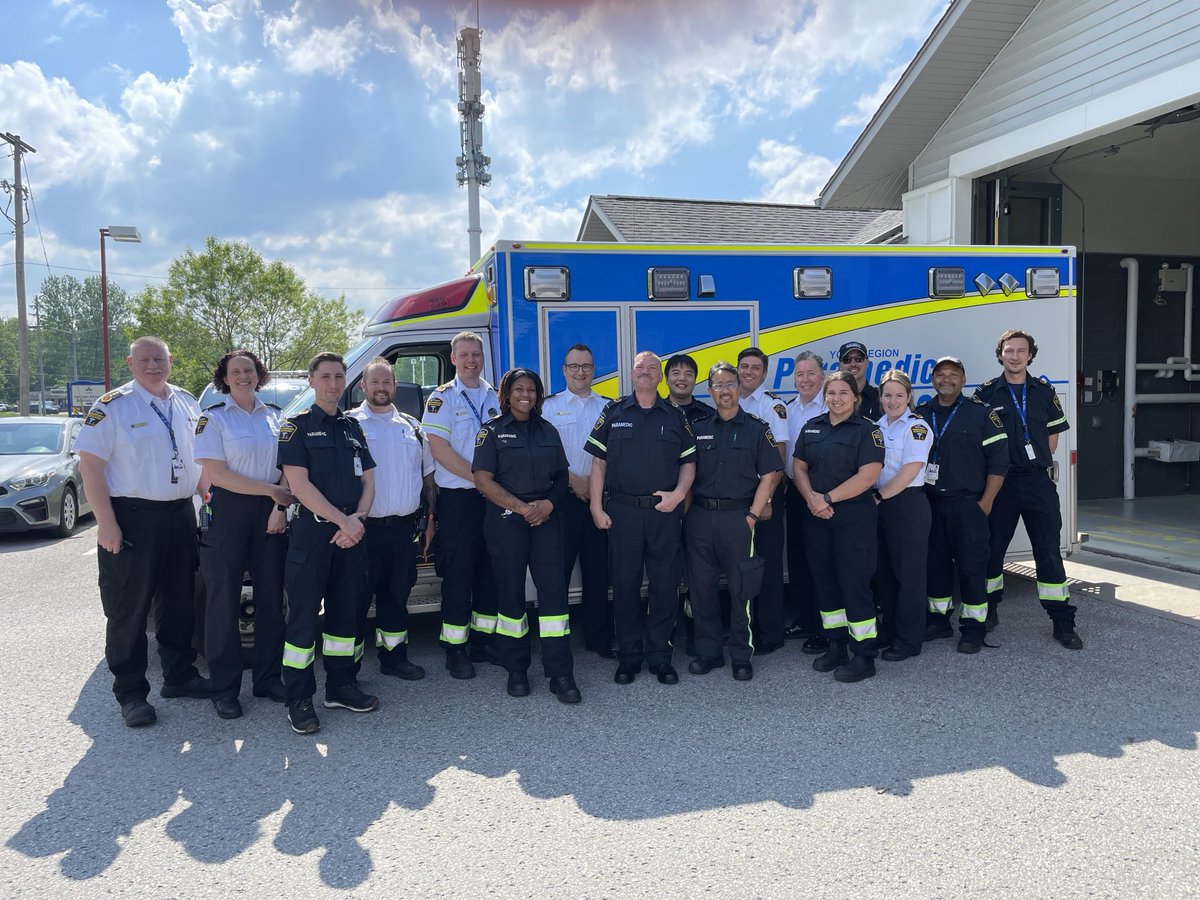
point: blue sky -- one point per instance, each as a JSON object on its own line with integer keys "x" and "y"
{"x": 324, "y": 132}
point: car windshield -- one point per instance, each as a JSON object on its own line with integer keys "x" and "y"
{"x": 279, "y": 390}
{"x": 30, "y": 438}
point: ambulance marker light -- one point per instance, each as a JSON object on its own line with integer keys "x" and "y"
{"x": 547, "y": 283}
{"x": 1041, "y": 282}
{"x": 1008, "y": 284}
{"x": 984, "y": 283}
{"x": 668, "y": 283}
{"x": 812, "y": 282}
{"x": 448, "y": 297}
{"x": 947, "y": 282}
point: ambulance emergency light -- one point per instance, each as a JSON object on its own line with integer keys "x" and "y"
{"x": 947, "y": 282}
{"x": 448, "y": 297}
{"x": 668, "y": 283}
{"x": 547, "y": 283}
{"x": 1041, "y": 282}
{"x": 812, "y": 282}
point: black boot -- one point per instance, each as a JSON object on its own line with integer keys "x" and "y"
{"x": 857, "y": 669}
{"x": 1064, "y": 633}
{"x": 833, "y": 657}
{"x": 937, "y": 625}
{"x": 459, "y": 663}
{"x": 397, "y": 665}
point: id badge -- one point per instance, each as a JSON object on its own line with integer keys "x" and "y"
{"x": 176, "y": 466}
{"x": 358, "y": 469}
{"x": 931, "y": 473}
{"x": 1030, "y": 452}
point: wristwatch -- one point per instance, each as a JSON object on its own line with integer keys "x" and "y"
{"x": 827, "y": 498}
{"x": 751, "y": 514}
{"x": 878, "y": 496}
{"x": 281, "y": 507}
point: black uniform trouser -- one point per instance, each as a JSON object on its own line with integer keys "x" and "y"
{"x": 237, "y": 541}
{"x": 318, "y": 569}
{"x": 958, "y": 539}
{"x": 1029, "y": 494}
{"x": 768, "y": 606}
{"x": 391, "y": 574}
{"x": 801, "y": 589}
{"x": 717, "y": 540}
{"x": 900, "y": 572}
{"x": 162, "y": 562}
{"x": 644, "y": 540}
{"x": 841, "y": 554}
{"x": 462, "y": 562}
{"x": 516, "y": 548}
{"x": 583, "y": 540}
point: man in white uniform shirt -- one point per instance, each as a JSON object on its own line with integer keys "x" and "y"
{"x": 574, "y": 412}
{"x": 140, "y": 474}
{"x": 768, "y": 535}
{"x": 454, "y": 415}
{"x": 403, "y": 469}
{"x": 809, "y": 402}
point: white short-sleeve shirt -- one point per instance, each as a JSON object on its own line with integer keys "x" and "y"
{"x": 906, "y": 440}
{"x": 798, "y": 413}
{"x": 768, "y": 407}
{"x": 402, "y": 457}
{"x": 247, "y": 442}
{"x": 123, "y": 429}
{"x": 574, "y": 417}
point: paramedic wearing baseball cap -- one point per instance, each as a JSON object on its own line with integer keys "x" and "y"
{"x": 852, "y": 358}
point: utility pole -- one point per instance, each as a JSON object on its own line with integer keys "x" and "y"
{"x": 18, "y": 190}
{"x": 472, "y": 164}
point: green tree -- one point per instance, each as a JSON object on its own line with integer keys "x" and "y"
{"x": 68, "y": 343}
{"x": 228, "y": 296}
{"x": 10, "y": 360}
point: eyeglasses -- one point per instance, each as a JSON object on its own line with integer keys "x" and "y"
{"x": 722, "y": 385}
{"x": 580, "y": 367}
{"x": 854, "y": 359}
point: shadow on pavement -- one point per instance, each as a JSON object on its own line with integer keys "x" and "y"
{"x": 633, "y": 752}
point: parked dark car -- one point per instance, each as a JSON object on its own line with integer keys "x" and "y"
{"x": 40, "y": 485}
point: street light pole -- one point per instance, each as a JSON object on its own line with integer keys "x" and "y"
{"x": 124, "y": 234}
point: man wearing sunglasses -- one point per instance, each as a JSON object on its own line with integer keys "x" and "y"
{"x": 852, "y": 358}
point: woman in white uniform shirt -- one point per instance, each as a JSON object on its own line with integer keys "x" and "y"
{"x": 237, "y": 444}
{"x": 903, "y": 520}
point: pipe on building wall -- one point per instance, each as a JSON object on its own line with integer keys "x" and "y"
{"x": 1131, "y": 294}
{"x": 1192, "y": 373}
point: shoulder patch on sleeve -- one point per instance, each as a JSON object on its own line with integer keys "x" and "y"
{"x": 600, "y": 419}
{"x": 995, "y": 417}
{"x": 770, "y": 435}
{"x": 434, "y": 404}
{"x": 481, "y": 437}
{"x": 94, "y": 417}
{"x": 1057, "y": 402}
{"x": 286, "y": 430}
{"x": 201, "y": 424}
{"x": 920, "y": 432}
{"x": 780, "y": 410}
{"x": 877, "y": 437}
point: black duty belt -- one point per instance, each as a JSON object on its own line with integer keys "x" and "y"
{"x": 156, "y": 505}
{"x": 390, "y": 521}
{"x": 347, "y": 510}
{"x": 1019, "y": 471}
{"x": 640, "y": 501}
{"x": 717, "y": 505}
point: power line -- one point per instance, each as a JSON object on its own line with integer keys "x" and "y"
{"x": 36, "y": 220}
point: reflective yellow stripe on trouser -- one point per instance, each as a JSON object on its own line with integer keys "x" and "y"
{"x": 454, "y": 634}
{"x": 864, "y": 630}
{"x": 554, "y": 626}
{"x": 940, "y": 605}
{"x": 1055, "y": 593}
{"x": 833, "y": 619}
{"x": 977, "y": 613}
{"x": 513, "y": 628}
{"x": 995, "y": 584}
{"x": 298, "y": 657}
{"x": 390, "y": 640}
{"x": 483, "y": 624}
{"x": 333, "y": 645}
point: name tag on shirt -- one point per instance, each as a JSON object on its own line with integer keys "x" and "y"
{"x": 358, "y": 469}
{"x": 1030, "y": 452}
{"x": 931, "y": 473}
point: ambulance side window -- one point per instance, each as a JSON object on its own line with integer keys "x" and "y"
{"x": 425, "y": 366}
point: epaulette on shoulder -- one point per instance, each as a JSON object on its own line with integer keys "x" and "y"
{"x": 183, "y": 390}
{"x": 755, "y": 418}
{"x": 988, "y": 383}
{"x": 1044, "y": 379}
{"x": 443, "y": 387}
{"x": 114, "y": 394}
{"x": 274, "y": 406}
{"x": 773, "y": 395}
{"x": 975, "y": 399}
{"x": 213, "y": 406}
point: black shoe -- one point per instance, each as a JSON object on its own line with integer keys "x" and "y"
{"x": 896, "y": 654}
{"x": 626, "y": 672}
{"x": 993, "y": 618}
{"x": 857, "y": 669}
{"x": 563, "y": 687}
{"x": 518, "y": 684}
{"x": 276, "y": 693}
{"x": 702, "y": 665}
{"x": 350, "y": 696}
{"x": 935, "y": 631}
{"x": 195, "y": 687}
{"x": 795, "y": 631}
{"x": 485, "y": 652}
{"x": 459, "y": 663}
{"x": 302, "y": 716}
{"x": 1066, "y": 635}
{"x": 138, "y": 713}
{"x": 227, "y": 707}
{"x": 815, "y": 645}
{"x": 831, "y": 658}
{"x": 666, "y": 673}
{"x": 742, "y": 671}
{"x": 768, "y": 648}
{"x": 970, "y": 644}
{"x": 403, "y": 669}
{"x": 882, "y": 643}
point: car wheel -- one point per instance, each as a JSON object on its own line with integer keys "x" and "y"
{"x": 68, "y": 513}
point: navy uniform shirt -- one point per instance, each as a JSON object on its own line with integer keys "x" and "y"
{"x": 868, "y": 402}
{"x": 1044, "y": 416}
{"x": 643, "y": 448}
{"x": 327, "y": 446}
{"x": 835, "y": 453}
{"x": 694, "y": 411}
{"x": 526, "y": 458}
{"x": 971, "y": 446}
{"x": 732, "y": 455}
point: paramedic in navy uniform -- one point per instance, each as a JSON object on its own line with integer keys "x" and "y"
{"x": 852, "y": 358}
{"x": 769, "y": 538}
{"x": 520, "y": 467}
{"x": 453, "y": 416}
{"x": 403, "y": 470}
{"x": 837, "y": 458}
{"x": 644, "y": 465}
{"x": 573, "y": 412}
{"x": 139, "y": 474}
{"x": 1034, "y": 419}
{"x": 737, "y": 468}
{"x": 903, "y": 520}
{"x": 237, "y": 443}
{"x": 324, "y": 456}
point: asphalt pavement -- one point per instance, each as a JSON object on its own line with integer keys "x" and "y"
{"x": 1027, "y": 770}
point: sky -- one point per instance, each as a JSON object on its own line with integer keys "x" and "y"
{"x": 324, "y": 132}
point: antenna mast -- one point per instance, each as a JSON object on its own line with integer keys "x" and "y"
{"x": 472, "y": 163}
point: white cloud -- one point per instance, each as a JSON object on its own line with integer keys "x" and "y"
{"x": 866, "y": 105}
{"x": 76, "y": 9}
{"x": 148, "y": 100}
{"x": 791, "y": 175}
{"x": 309, "y": 50}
